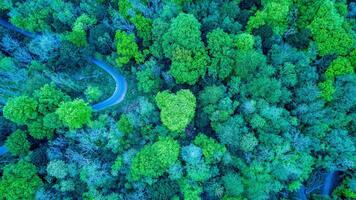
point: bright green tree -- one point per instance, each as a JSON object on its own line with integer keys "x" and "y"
{"x": 19, "y": 181}
{"x": 153, "y": 160}
{"x": 78, "y": 35}
{"x": 338, "y": 67}
{"x": 220, "y": 45}
{"x": 124, "y": 6}
{"x": 327, "y": 89}
{"x": 245, "y": 41}
{"x": 127, "y": 48}
{"x": 21, "y": 109}
{"x": 328, "y": 31}
{"x": 17, "y": 143}
{"x": 177, "y": 110}
{"x": 274, "y": 13}
{"x": 49, "y": 98}
{"x": 182, "y": 44}
{"x": 39, "y": 131}
{"x": 74, "y": 114}
{"x": 212, "y": 150}
{"x": 144, "y": 28}
{"x": 124, "y": 125}
{"x": 190, "y": 190}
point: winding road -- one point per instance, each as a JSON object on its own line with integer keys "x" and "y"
{"x": 120, "y": 88}
{"x": 121, "y": 83}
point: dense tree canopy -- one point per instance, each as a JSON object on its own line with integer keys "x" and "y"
{"x": 177, "y": 110}
{"x": 74, "y": 114}
{"x": 177, "y": 99}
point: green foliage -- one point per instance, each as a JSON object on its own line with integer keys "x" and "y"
{"x": 182, "y": 44}
{"x": 51, "y": 121}
{"x": 346, "y": 190}
{"x": 144, "y": 27}
{"x": 274, "y": 13}
{"x": 274, "y": 83}
{"x": 19, "y": 181}
{"x": 74, "y": 114}
{"x": 124, "y": 125}
{"x": 258, "y": 183}
{"x": 248, "y": 142}
{"x": 57, "y": 168}
{"x": 212, "y": 150}
{"x": 21, "y": 109}
{"x": 93, "y": 93}
{"x": 245, "y": 41}
{"x": 222, "y": 53}
{"x": 5, "y": 4}
{"x": 200, "y": 172}
{"x": 177, "y": 110}
{"x": 232, "y": 184}
{"x": 218, "y": 107}
{"x": 17, "y": 143}
{"x": 190, "y": 191}
{"x": 307, "y": 10}
{"x": 248, "y": 63}
{"x": 338, "y": 67}
{"x": 118, "y": 164}
{"x": 124, "y": 6}
{"x": 78, "y": 35}
{"x": 327, "y": 89}
{"x": 148, "y": 80}
{"x": 31, "y": 16}
{"x": 127, "y": 48}
{"x": 164, "y": 189}
{"x": 328, "y": 31}
{"x": 38, "y": 131}
{"x": 49, "y": 98}
{"x": 288, "y": 75}
{"x": 153, "y": 160}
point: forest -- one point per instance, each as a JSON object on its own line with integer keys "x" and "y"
{"x": 177, "y": 100}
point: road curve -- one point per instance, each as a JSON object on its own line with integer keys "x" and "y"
{"x": 10, "y": 26}
{"x": 121, "y": 83}
{"x": 120, "y": 88}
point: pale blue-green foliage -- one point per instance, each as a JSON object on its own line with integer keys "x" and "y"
{"x": 175, "y": 171}
{"x": 66, "y": 185}
{"x": 199, "y": 171}
{"x": 11, "y": 77}
{"x": 9, "y": 44}
{"x": 57, "y": 169}
{"x": 341, "y": 150}
{"x": 277, "y": 118}
{"x": 145, "y": 113}
{"x": 96, "y": 175}
{"x": 191, "y": 154}
{"x": 232, "y": 184}
{"x": 345, "y": 93}
{"x": 214, "y": 189}
{"x": 231, "y": 131}
{"x": 249, "y": 106}
{"x": 45, "y": 46}
{"x": 23, "y": 56}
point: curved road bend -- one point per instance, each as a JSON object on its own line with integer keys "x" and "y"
{"x": 120, "y": 88}
{"x": 121, "y": 83}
